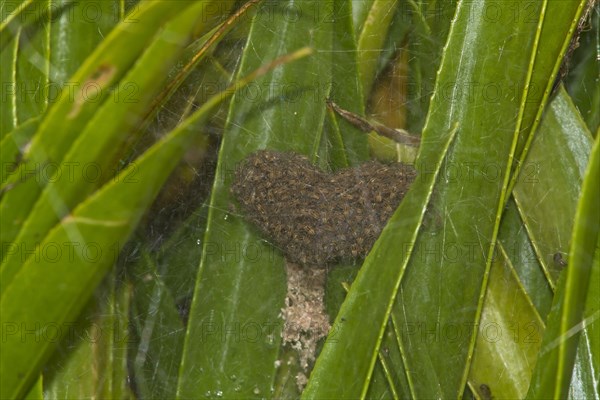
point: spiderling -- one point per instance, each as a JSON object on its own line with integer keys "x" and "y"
{"x": 315, "y": 217}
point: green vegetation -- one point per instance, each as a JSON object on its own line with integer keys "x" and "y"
{"x": 127, "y": 272}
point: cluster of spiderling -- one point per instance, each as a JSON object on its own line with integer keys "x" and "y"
{"x": 316, "y": 217}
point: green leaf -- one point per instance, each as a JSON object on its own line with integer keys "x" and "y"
{"x": 180, "y": 255}
{"x": 74, "y": 110}
{"x": 190, "y": 65}
{"x": 12, "y": 145}
{"x": 76, "y": 29}
{"x": 547, "y": 190}
{"x": 515, "y": 328}
{"x": 91, "y": 238}
{"x": 240, "y": 286}
{"x": 514, "y": 241}
{"x": 32, "y": 68}
{"x": 37, "y": 391}
{"x": 445, "y": 281}
{"x": 365, "y": 307}
{"x": 554, "y": 38}
{"x": 553, "y": 372}
{"x": 582, "y": 81}
{"x": 96, "y": 146}
{"x": 80, "y": 37}
{"x": 430, "y": 22}
{"x": 160, "y": 331}
{"x": 509, "y": 336}
{"x": 90, "y": 361}
{"x": 480, "y": 266}
{"x": 16, "y": 14}
{"x": 587, "y": 362}
{"x": 371, "y": 38}
{"x": 8, "y": 106}
{"x": 349, "y": 144}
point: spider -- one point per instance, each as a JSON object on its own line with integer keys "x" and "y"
{"x": 315, "y": 217}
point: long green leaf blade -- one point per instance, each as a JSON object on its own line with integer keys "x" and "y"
{"x": 99, "y": 142}
{"x": 240, "y": 287}
{"x": 550, "y": 185}
{"x": 101, "y": 71}
{"x": 553, "y": 372}
{"x": 364, "y": 307}
{"x": 444, "y": 286}
{"x": 557, "y": 159}
{"x": 92, "y": 237}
